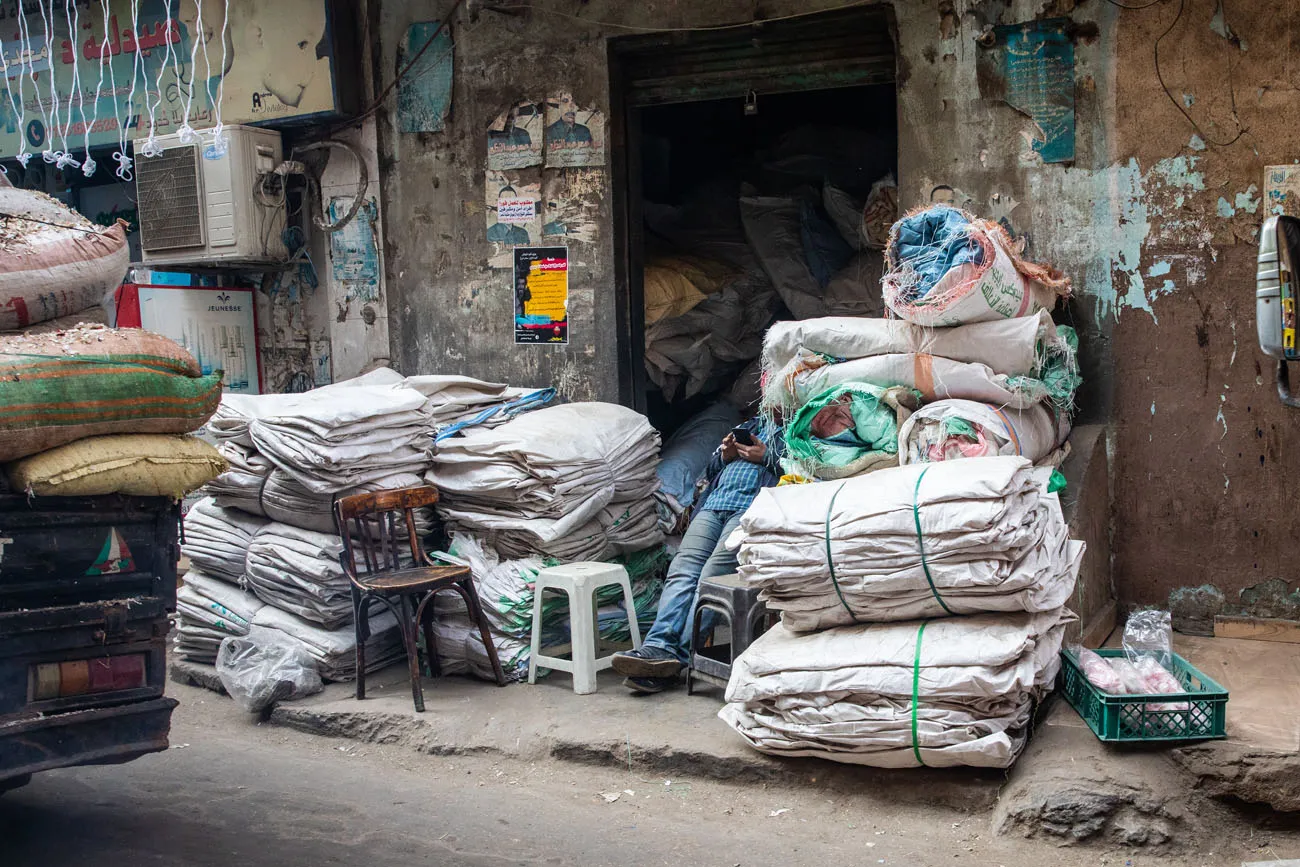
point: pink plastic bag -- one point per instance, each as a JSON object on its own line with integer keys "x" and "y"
{"x": 1099, "y": 674}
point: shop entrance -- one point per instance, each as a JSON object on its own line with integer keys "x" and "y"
{"x": 755, "y": 170}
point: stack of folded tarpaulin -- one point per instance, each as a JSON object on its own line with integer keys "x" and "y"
{"x": 979, "y": 547}
{"x": 505, "y": 589}
{"x": 574, "y": 482}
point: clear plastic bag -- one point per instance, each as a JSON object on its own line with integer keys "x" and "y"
{"x": 257, "y": 674}
{"x": 1149, "y": 634}
{"x": 1098, "y": 672}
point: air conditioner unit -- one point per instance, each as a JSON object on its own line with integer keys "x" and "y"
{"x": 200, "y": 207}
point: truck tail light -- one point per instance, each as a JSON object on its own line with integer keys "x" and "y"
{"x": 87, "y": 676}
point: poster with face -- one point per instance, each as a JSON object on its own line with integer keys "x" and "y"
{"x": 514, "y": 213}
{"x": 570, "y": 199}
{"x": 515, "y": 137}
{"x": 574, "y": 136}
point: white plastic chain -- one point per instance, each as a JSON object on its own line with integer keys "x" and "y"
{"x": 220, "y": 141}
{"x": 25, "y": 38}
{"x": 18, "y": 105}
{"x": 52, "y": 117}
{"x": 73, "y": 17}
{"x": 88, "y": 167}
{"x": 124, "y": 162}
{"x": 187, "y": 133}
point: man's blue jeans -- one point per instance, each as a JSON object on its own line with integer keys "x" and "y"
{"x": 703, "y": 554}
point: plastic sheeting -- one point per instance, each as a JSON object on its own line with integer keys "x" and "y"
{"x": 688, "y": 451}
{"x": 921, "y": 541}
{"x": 575, "y": 482}
{"x": 773, "y": 226}
{"x": 951, "y": 429}
{"x": 958, "y": 691}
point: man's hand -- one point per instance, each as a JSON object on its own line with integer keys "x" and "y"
{"x": 754, "y": 454}
{"x": 729, "y": 447}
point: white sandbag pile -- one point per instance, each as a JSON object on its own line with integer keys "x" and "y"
{"x": 575, "y": 482}
{"x": 217, "y": 539}
{"x": 952, "y": 429}
{"x": 961, "y": 537}
{"x": 53, "y": 261}
{"x": 299, "y": 571}
{"x": 1008, "y": 363}
{"x": 209, "y": 610}
{"x": 941, "y": 693}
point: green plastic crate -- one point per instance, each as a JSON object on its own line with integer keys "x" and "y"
{"x": 1127, "y": 717}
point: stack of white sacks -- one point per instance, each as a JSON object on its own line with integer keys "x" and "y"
{"x": 922, "y": 606}
{"x": 576, "y": 485}
{"x": 573, "y": 482}
{"x": 267, "y": 526}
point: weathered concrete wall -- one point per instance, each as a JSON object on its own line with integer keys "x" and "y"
{"x": 1153, "y": 220}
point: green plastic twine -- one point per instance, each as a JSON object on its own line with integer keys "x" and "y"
{"x": 830, "y": 561}
{"x": 920, "y": 539}
{"x": 916, "y": 689}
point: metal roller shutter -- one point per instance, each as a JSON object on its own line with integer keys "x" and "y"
{"x": 817, "y": 52}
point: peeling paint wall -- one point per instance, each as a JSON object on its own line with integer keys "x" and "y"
{"x": 1155, "y": 219}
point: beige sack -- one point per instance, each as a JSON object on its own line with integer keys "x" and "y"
{"x": 142, "y": 465}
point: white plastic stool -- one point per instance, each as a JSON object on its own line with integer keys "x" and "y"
{"x": 580, "y": 581}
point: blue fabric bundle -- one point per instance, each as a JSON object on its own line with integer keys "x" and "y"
{"x": 933, "y": 242}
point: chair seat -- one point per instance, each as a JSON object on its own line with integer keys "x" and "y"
{"x": 412, "y": 580}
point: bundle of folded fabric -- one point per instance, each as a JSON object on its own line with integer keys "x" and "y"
{"x": 299, "y": 571}
{"x": 334, "y": 650}
{"x": 951, "y": 429}
{"x": 1014, "y": 363}
{"x": 575, "y": 482}
{"x": 331, "y": 440}
{"x": 920, "y": 541}
{"x": 942, "y": 693}
{"x": 848, "y": 430}
{"x": 209, "y": 610}
{"x": 217, "y": 539}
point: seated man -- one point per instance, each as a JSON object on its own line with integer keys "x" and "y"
{"x": 735, "y": 475}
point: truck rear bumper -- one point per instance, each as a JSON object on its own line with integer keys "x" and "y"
{"x": 102, "y": 736}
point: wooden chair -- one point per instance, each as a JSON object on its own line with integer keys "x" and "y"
{"x": 370, "y": 522}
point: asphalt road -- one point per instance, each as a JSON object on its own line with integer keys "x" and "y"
{"x": 232, "y": 792}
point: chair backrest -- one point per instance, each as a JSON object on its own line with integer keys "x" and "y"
{"x": 371, "y": 523}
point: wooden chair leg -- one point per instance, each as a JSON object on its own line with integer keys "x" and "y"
{"x": 476, "y": 612}
{"x": 410, "y": 630}
{"x": 425, "y": 615}
{"x": 361, "y": 626}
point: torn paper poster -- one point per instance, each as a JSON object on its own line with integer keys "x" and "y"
{"x": 570, "y": 199}
{"x": 1282, "y": 190}
{"x": 424, "y": 92}
{"x": 574, "y": 136}
{"x": 513, "y": 213}
{"x": 515, "y": 137}
{"x": 1030, "y": 66}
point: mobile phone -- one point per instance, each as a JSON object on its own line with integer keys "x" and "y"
{"x": 742, "y": 436}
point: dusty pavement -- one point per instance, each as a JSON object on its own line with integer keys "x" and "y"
{"x": 232, "y": 792}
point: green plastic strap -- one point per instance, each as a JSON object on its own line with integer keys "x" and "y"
{"x": 920, "y": 540}
{"x": 916, "y": 689}
{"x": 830, "y": 561}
